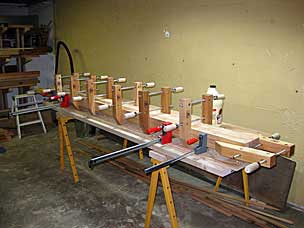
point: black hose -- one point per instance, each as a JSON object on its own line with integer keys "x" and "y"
{"x": 59, "y": 44}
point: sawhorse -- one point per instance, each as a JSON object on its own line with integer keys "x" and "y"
{"x": 64, "y": 140}
{"x": 245, "y": 186}
{"x": 167, "y": 192}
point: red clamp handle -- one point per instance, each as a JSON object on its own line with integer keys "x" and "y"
{"x": 53, "y": 98}
{"x": 191, "y": 141}
{"x": 154, "y": 130}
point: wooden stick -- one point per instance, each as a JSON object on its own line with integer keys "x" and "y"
{"x": 185, "y": 119}
{"x": 91, "y": 92}
{"x": 75, "y": 88}
{"x": 144, "y": 109}
{"x": 117, "y": 104}
{"x": 207, "y": 109}
{"x": 138, "y": 87}
{"x": 58, "y": 83}
{"x": 110, "y": 84}
{"x": 166, "y": 97}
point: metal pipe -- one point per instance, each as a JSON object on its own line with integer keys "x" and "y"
{"x": 100, "y": 82}
{"x": 155, "y": 93}
{"x": 127, "y": 88}
{"x": 101, "y": 95}
{"x": 100, "y": 159}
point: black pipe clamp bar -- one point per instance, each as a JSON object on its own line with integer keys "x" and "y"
{"x": 100, "y": 159}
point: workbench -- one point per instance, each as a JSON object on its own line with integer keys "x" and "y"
{"x": 210, "y": 161}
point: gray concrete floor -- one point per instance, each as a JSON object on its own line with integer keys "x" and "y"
{"x": 34, "y": 193}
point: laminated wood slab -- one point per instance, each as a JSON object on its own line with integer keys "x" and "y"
{"x": 214, "y": 133}
{"x": 210, "y": 161}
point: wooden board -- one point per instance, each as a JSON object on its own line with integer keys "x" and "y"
{"x": 275, "y": 146}
{"x": 246, "y": 154}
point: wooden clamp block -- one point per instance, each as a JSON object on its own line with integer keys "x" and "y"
{"x": 75, "y": 88}
{"x": 246, "y": 154}
{"x": 166, "y": 97}
{"x": 144, "y": 109}
{"x": 207, "y": 109}
{"x": 91, "y": 92}
{"x": 275, "y": 146}
{"x": 117, "y": 104}
{"x": 138, "y": 87}
{"x": 58, "y": 83}
{"x": 185, "y": 119}
{"x": 109, "y": 88}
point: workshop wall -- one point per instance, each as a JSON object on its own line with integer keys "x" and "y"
{"x": 252, "y": 50}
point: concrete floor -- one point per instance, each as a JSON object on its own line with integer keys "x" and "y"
{"x": 34, "y": 193}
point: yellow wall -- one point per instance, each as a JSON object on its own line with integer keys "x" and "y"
{"x": 252, "y": 50}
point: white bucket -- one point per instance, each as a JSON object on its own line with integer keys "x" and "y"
{"x": 217, "y": 113}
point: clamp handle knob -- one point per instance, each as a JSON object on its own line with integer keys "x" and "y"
{"x": 154, "y": 130}
{"x": 191, "y": 141}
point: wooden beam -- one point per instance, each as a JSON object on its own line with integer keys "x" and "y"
{"x": 75, "y": 88}
{"x": 91, "y": 92}
{"x": 138, "y": 87}
{"x": 185, "y": 119}
{"x": 19, "y": 75}
{"x": 246, "y": 154}
{"x": 275, "y": 146}
{"x": 166, "y": 100}
{"x": 58, "y": 83}
{"x": 109, "y": 88}
{"x": 144, "y": 109}
{"x": 207, "y": 108}
{"x": 117, "y": 104}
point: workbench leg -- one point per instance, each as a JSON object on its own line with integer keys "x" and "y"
{"x": 125, "y": 143}
{"x": 61, "y": 146}
{"x": 245, "y": 186}
{"x": 167, "y": 192}
{"x": 141, "y": 154}
{"x": 218, "y": 183}
{"x": 69, "y": 150}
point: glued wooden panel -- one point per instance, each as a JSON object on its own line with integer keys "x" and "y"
{"x": 246, "y": 154}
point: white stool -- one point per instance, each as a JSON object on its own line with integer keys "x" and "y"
{"x": 30, "y": 106}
